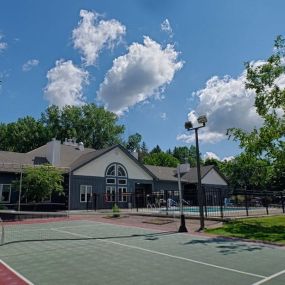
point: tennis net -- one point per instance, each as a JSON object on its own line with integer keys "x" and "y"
{"x": 30, "y": 226}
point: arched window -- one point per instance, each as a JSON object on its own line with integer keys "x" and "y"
{"x": 116, "y": 183}
{"x": 111, "y": 170}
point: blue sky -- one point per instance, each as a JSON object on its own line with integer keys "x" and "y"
{"x": 155, "y": 63}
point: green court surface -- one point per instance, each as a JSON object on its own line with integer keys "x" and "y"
{"x": 88, "y": 252}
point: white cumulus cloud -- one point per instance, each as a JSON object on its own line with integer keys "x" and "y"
{"x": 27, "y": 66}
{"x": 3, "y": 45}
{"x": 65, "y": 84}
{"x": 166, "y": 27}
{"x": 138, "y": 75}
{"x": 227, "y": 104}
{"x": 212, "y": 155}
{"x": 163, "y": 116}
{"x": 92, "y": 35}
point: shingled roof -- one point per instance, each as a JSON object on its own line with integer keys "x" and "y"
{"x": 170, "y": 173}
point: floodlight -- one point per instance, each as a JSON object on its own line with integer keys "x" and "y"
{"x": 188, "y": 125}
{"x": 202, "y": 119}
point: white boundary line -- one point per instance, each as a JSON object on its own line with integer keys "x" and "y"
{"x": 16, "y": 273}
{"x": 163, "y": 254}
{"x": 269, "y": 277}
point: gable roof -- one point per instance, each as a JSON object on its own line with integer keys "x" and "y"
{"x": 170, "y": 173}
{"x": 88, "y": 157}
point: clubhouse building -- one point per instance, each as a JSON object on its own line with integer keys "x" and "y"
{"x": 103, "y": 177}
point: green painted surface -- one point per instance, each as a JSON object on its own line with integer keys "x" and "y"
{"x": 126, "y": 255}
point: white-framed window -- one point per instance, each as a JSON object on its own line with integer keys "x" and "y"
{"x": 121, "y": 171}
{"x": 110, "y": 194}
{"x": 111, "y": 171}
{"x": 85, "y": 193}
{"x": 122, "y": 181}
{"x": 5, "y": 193}
{"x": 122, "y": 197}
{"x": 111, "y": 180}
{"x": 116, "y": 183}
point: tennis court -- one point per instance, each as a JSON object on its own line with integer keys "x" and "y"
{"x": 86, "y": 251}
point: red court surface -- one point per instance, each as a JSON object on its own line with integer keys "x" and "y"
{"x": 11, "y": 277}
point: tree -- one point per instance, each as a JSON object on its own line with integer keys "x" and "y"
{"x": 23, "y": 135}
{"x": 143, "y": 152}
{"x": 267, "y": 141}
{"x": 93, "y": 125}
{"x": 133, "y": 142}
{"x": 161, "y": 159}
{"x": 246, "y": 171}
{"x": 156, "y": 149}
{"x": 40, "y": 182}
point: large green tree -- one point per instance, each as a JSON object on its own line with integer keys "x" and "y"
{"x": 268, "y": 140}
{"x": 39, "y": 183}
{"x": 23, "y": 135}
{"x": 93, "y": 125}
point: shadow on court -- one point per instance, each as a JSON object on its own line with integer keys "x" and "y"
{"x": 226, "y": 246}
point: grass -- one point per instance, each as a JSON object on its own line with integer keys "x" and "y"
{"x": 269, "y": 229}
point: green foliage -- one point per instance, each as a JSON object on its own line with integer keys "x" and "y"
{"x": 116, "y": 211}
{"x": 133, "y": 143}
{"x": 38, "y": 183}
{"x": 156, "y": 149}
{"x": 23, "y": 135}
{"x": 267, "y": 141}
{"x": 247, "y": 171}
{"x": 161, "y": 159}
{"x": 93, "y": 125}
{"x": 185, "y": 154}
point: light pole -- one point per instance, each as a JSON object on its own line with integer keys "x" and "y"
{"x": 202, "y": 120}
{"x": 182, "y": 169}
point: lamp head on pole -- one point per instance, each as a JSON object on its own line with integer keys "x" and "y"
{"x": 202, "y": 120}
{"x": 188, "y": 125}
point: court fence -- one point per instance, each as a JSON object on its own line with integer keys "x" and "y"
{"x": 216, "y": 203}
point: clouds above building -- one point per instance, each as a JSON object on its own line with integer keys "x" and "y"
{"x": 27, "y": 66}
{"x": 93, "y": 34}
{"x": 143, "y": 72}
{"x": 166, "y": 27}
{"x": 227, "y": 104}
{"x": 65, "y": 84}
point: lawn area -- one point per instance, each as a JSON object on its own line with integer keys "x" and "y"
{"x": 271, "y": 229}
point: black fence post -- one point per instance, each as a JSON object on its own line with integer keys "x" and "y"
{"x": 136, "y": 200}
{"x": 221, "y": 204}
{"x": 205, "y": 200}
{"x": 166, "y": 199}
{"x": 266, "y": 204}
{"x": 282, "y": 202}
{"x": 246, "y": 202}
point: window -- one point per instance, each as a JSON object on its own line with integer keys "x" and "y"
{"x": 85, "y": 193}
{"x": 111, "y": 194}
{"x": 5, "y": 193}
{"x": 116, "y": 183}
{"x": 122, "y": 181}
{"x": 121, "y": 171}
{"x": 122, "y": 194}
{"x": 111, "y": 171}
{"x": 111, "y": 181}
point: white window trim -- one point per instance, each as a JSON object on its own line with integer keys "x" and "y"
{"x": 1, "y": 189}
{"x": 86, "y": 192}
{"x": 111, "y": 193}
{"x": 124, "y": 196}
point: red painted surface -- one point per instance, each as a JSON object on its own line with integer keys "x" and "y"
{"x": 8, "y": 277}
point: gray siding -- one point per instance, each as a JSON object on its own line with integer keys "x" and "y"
{"x": 8, "y": 178}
